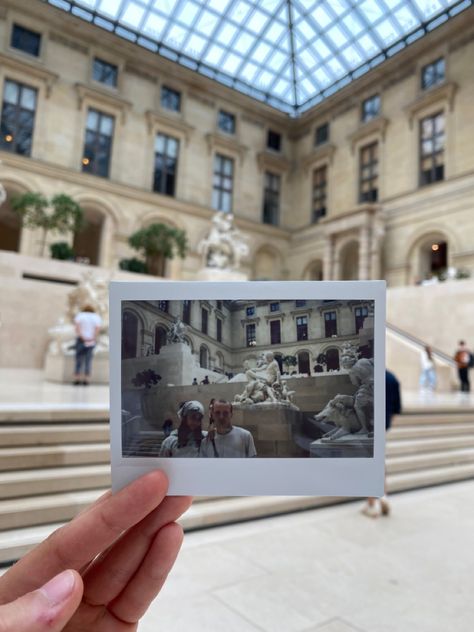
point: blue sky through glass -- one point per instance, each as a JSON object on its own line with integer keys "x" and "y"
{"x": 289, "y": 53}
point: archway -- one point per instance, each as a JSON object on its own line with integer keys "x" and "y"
{"x": 314, "y": 271}
{"x": 349, "y": 261}
{"x": 87, "y": 242}
{"x": 204, "y": 357}
{"x": 332, "y": 359}
{"x": 129, "y": 335}
{"x": 433, "y": 257}
{"x": 303, "y": 363}
{"x": 160, "y": 338}
{"x": 10, "y": 228}
{"x": 219, "y": 362}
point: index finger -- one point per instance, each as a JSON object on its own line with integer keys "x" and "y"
{"x": 80, "y": 541}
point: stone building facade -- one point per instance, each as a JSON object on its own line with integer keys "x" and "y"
{"x": 377, "y": 181}
{"x": 223, "y": 335}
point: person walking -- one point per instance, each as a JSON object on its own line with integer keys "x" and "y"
{"x": 88, "y": 325}
{"x": 463, "y": 359}
{"x": 428, "y": 371}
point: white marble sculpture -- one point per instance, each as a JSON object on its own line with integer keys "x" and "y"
{"x": 224, "y": 246}
{"x": 264, "y": 383}
{"x": 176, "y": 332}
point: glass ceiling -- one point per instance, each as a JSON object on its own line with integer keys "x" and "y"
{"x": 290, "y": 54}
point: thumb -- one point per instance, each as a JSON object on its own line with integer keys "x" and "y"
{"x": 47, "y": 609}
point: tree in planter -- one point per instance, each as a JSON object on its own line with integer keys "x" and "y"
{"x": 59, "y": 214}
{"x": 157, "y": 243}
{"x": 289, "y": 361}
{"x": 61, "y": 250}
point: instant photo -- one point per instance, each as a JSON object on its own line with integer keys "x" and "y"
{"x": 249, "y": 388}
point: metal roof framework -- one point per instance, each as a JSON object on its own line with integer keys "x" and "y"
{"x": 290, "y": 54}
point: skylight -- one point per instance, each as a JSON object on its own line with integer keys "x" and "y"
{"x": 290, "y": 54}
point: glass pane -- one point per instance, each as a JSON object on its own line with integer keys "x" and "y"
{"x": 160, "y": 143}
{"x": 92, "y": 120}
{"x": 228, "y": 167}
{"x": 28, "y": 98}
{"x": 172, "y": 147}
{"x": 11, "y": 92}
{"x": 106, "y": 125}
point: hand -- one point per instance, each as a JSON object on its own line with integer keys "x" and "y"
{"x": 101, "y": 571}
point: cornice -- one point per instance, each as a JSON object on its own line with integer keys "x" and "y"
{"x": 324, "y": 152}
{"x": 226, "y": 143}
{"x": 155, "y": 119}
{"x": 274, "y": 161}
{"x": 108, "y": 99}
{"x": 30, "y": 68}
{"x": 439, "y": 94}
{"x": 375, "y": 126}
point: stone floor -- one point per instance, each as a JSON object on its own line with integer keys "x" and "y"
{"x": 329, "y": 570}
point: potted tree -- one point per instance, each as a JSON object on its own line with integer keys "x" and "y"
{"x": 289, "y": 361}
{"x": 59, "y": 214}
{"x": 157, "y": 243}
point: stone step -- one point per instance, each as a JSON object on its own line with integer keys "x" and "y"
{"x": 432, "y": 430}
{"x": 426, "y": 478}
{"x": 16, "y": 484}
{"x": 53, "y": 413}
{"x": 28, "y": 458}
{"x": 52, "y": 434}
{"x": 416, "y": 446}
{"x": 37, "y": 510}
{"x": 408, "y": 463}
{"x": 434, "y": 418}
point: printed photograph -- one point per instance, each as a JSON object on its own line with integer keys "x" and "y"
{"x": 247, "y": 378}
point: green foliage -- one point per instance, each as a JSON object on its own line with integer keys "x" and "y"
{"x": 61, "y": 213}
{"x": 159, "y": 239}
{"x": 146, "y": 378}
{"x": 322, "y": 359}
{"x": 133, "y": 265}
{"x": 61, "y": 250}
{"x": 290, "y": 360}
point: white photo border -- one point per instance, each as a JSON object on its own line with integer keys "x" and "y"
{"x": 258, "y": 476}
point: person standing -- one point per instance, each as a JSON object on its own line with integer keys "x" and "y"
{"x": 187, "y": 439}
{"x": 88, "y": 325}
{"x": 428, "y": 372}
{"x": 463, "y": 359}
{"x": 223, "y": 439}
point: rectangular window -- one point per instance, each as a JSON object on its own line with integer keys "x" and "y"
{"x": 187, "y": 312}
{"x": 432, "y": 140}
{"x": 170, "y": 99}
{"x": 166, "y": 164}
{"x": 321, "y": 135}
{"x": 103, "y": 72}
{"x": 98, "y": 144}
{"x": 361, "y": 314}
{"x": 250, "y": 311}
{"x": 226, "y": 122}
{"x": 25, "y": 40}
{"x": 204, "y": 319}
{"x": 433, "y": 74}
{"x": 271, "y": 199}
{"x": 368, "y": 177}
{"x": 275, "y": 332}
{"x": 219, "y": 330}
{"x": 274, "y": 307}
{"x": 301, "y": 303}
{"x": 18, "y": 118}
{"x": 370, "y": 108}
{"x": 163, "y": 306}
{"x": 302, "y": 328}
{"x": 219, "y": 304}
{"x": 273, "y": 140}
{"x": 319, "y": 193}
{"x": 222, "y": 184}
{"x": 250, "y": 331}
{"x": 330, "y": 324}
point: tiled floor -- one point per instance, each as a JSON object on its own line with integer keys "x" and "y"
{"x": 330, "y": 570}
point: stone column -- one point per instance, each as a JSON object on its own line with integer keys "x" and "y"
{"x": 364, "y": 253}
{"x": 327, "y": 262}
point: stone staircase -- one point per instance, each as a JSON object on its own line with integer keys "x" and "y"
{"x": 52, "y": 466}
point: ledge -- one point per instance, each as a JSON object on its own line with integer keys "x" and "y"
{"x": 226, "y": 143}
{"x": 271, "y": 160}
{"x": 30, "y": 68}
{"x": 100, "y": 96}
{"x": 324, "y": 152}
{"x": 155, "y": 119}
{"x": 375, "y": 126}
{"x": 442, "y": 93}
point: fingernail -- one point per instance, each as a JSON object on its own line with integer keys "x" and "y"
{"x": 59, "y": 588}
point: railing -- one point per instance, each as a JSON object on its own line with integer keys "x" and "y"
{"x": 421, "y": 344}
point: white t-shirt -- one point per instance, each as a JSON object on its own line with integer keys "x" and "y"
{"x": 87, "y": 322}
{"x": 236, "y": 443}
{"x": 169, "y": 447}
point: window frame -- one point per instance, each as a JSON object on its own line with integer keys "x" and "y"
{"x": 219, "y": 177}
{"x": 272, "y": 135}
{"x": 165, "y": 173}
{"x": 327, "y": 320}
{"x": 438, "y": 78}
{"x": 12, "y": 145}
{"x": 422, "y": 179}
{"x": 319, "y": 193}
{"x": 301, "y": 327}
{"x": 317, "y": 132}
{"x": 250, "y": 339}
{"x": 368, "y": 111}
{"x": 104, "y": 63}
{"x": 271, "y": 198}
{"x": 167, "y": 95}
{"x": 373, "y": 166}
{"x": 221, "y": 116}
{"x": 204, "y": 321}
{"x": 38, "y": 34}
{"x": 101, "y": 114}
{"x": 275, "y": 324}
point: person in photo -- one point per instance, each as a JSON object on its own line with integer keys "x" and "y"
{"x": 224, "y": 440}
{"x": 186, "y": 440}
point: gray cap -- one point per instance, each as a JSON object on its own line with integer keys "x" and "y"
{"x": 193, "y": 406}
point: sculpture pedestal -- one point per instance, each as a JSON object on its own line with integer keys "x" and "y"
{"x": 217, "y": 274}
{"x": 60, "y": 368}
{"x": 273, "y": 426}
{"x": 350, "y": 446}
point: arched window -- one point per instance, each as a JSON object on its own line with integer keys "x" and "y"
{"x": 332, "y": 358}
{"x": 129, "y": 335}
{"x": 160, "y": 338}
{"x": 87, "y": 241}
{"x": 219, "y": 362}
{"x": 204, "y": 357}
{"x": 303, "y": 363}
